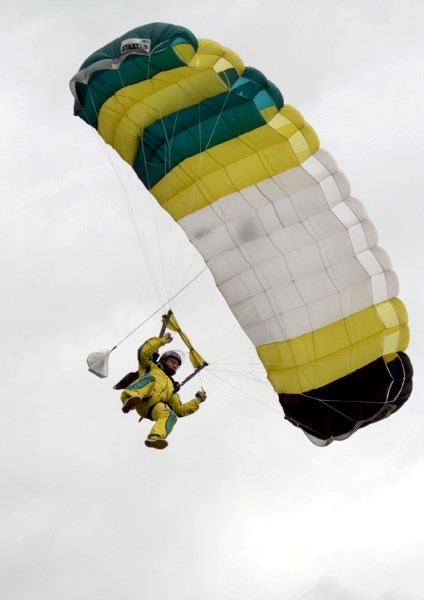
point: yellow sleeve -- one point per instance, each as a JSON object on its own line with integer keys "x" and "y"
{"x": 182, "y": 410}
{"x": 146, "y": 351}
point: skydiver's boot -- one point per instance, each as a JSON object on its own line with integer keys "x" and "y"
{"x": 156, "y": 441}
{"x": 130, "y": 403}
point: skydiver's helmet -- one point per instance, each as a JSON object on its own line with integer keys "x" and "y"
{"x": 168, "y": 369}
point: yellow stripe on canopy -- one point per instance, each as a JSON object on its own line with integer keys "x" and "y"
{"x": 315, "y": 359}
{"x": 282, "y": 144}
{"x": 125, "y": 115}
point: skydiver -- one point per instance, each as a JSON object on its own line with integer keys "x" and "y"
{"x": 154, "y": 393}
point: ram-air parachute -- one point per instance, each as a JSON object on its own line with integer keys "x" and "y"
{"x": 290, "y": 249}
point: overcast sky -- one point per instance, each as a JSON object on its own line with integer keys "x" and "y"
{"x": 241, "y": 505}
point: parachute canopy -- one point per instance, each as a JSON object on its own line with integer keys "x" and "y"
{"x": 292, "y": 252}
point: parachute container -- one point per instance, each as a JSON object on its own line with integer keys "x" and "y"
{"x": 292, "y": 252}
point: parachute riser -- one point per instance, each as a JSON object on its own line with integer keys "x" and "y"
{"x": 165, "y": 321}
{"x": 195, "y": 372}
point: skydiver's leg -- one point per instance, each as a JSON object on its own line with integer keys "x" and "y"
{"x": 165, "y": 420}
{"x": 132, "y": 397}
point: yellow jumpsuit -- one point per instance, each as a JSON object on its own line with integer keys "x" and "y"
{"x": 158, "y": 401}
